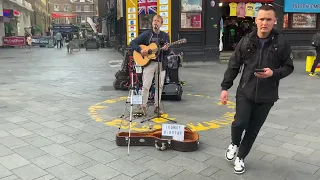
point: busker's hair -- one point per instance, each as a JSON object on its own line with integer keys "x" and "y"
{"x": 267, "y": 7}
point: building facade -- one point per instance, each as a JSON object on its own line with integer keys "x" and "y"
{"x": 39, "y": 17}
{"x": 15, "y": 18}
{"x": 83, "y": 9}
{"x": 61, "y": 12}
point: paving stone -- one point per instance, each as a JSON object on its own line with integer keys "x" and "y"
{"x": 127, "y": 167}
{"x": 75, "y": 124}
{"x": 3, "y": 133}
{"x": 187, "y": 175}
{"x": 46, "y": 132}
{"x": 279, "y": 132}
{"x": 16, "y": 119}
{"x": 122, "y": 152}
{"x": 101, "y": 156}
{"x": 219, "y": 163}
{"x": 163, "y": 168}
{"x": 188, "y": 164}
{"x": 56, "y": 150}
{"x": 159, "y": 177}
{"x": 81, "y": 147}
{"x": 46, "y": 161}
{"x": 275, "y": 126}
{"x": 5, "y": 151}
{"x": 60, "y": 138}
{"x": 101, "y": 171}
{"x": 299, "y": 149}
{"x": 303, "y": 131}
{"x": 39, "y": 141}
{"x": 65, "y": 172}
{"x": 313, "y": 159}
{"x": 269, "y": 135}
{"x": 87, "y": 178}
{"x": 290, "y": 140}
{"x": 284, "y": 164}
{"x": 122, "y": 177}
{"x": 86, "y": 137}
{"x": 13, "y": 161}
{"x": 20, "y": 132}
{"x": 29, "y": 152}
{"x": 269, "y": 157}
{"x": 87, "y": 165}
{"x": 4, "y": 172}
{"x": 46, "y": 177}
{"x": 74, "y": 159}
{"x": 307, "y": 138}
{"x": 276, "y": 151}
{"x": 269, "y": 142}
{"x": 29, "y": 172}
{"x": 8, "y": 126}
{"x": 145, "y": 175}
{"x": 12, "y": 177}
{"x": 12, "y": 142}
{"x": 209, "y": 171}
{"x": 161, "y": 155}
{"x": 67, "y": 130}
{"x": 52, "y": 124}
{"x": 31, "y": 126}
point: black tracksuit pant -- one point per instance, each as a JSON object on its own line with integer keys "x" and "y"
{"x": 249, "y": 116}
{"x": 316, "y": 61}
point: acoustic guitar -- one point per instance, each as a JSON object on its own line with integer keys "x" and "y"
{"x": 152, "y": 51}
{"x": 154, "y": 138}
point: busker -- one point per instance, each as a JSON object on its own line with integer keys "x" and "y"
{"x": 266, "y": 58}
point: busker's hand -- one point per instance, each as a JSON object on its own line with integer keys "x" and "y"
{"x": 144, "y": 52}
{"x": 166, "y": 47}
{"x": 224, "y": 97}
{"x": 267, "y": 73}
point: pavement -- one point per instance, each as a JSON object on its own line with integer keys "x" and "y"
{"x": 59, "y": 115}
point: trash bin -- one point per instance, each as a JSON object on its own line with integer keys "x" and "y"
{"x": 309, "y": 63}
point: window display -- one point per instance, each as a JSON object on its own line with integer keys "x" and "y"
{"x": 304, "y": 20}
{"x": 191, "y": 14}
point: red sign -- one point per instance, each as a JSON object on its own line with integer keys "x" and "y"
{"x": 248, "y": 1}
{"x": 58, "y": 15}
{"x": 14, "y": 41}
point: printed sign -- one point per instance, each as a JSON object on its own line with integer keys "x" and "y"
{"x": 14, "y": 41}
{"x": 165, "y": 12}
{"x": 176, "y": 131}
{"x": 132, "y": 25}
{"x": 303, "y": 6}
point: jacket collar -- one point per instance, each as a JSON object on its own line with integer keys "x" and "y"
{"x": 254, "y": 38}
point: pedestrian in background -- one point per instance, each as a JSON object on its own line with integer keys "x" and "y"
{"x": 315, "y": 43}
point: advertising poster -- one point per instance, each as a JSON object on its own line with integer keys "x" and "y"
{"x": 164, "y": 9}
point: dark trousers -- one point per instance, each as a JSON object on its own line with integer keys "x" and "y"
{"x": 250, "y": 116}
{"x": 59, "y": 43}
{"x": 316, "y": 62}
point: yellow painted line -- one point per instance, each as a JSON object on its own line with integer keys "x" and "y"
{"x": 225, "y": 120}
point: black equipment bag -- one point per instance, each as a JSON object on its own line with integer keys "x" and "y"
{"x": 315, "y": 41}
{"x": 172, "y": 91}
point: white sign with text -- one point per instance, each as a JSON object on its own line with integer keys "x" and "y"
{"x": 176, "y": 131}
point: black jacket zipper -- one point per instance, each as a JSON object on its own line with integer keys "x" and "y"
{"x": 257, "y": 81}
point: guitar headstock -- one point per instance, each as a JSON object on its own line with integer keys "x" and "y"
{"x": 180, "y": 41}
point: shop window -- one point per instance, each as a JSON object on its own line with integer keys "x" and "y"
{"x": 304, "y": 20}
{"x": 191, "y": 14}
{"x": 285, "y": 20}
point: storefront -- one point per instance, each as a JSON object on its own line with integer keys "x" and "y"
{"x": 301, "y": 19}
{"x": 237, "y": 19}
{"x": 195, "y": 20}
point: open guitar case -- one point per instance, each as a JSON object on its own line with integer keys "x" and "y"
{"x": 154, "y": 138}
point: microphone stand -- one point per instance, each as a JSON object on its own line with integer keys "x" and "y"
{"x": 158, "y": 73}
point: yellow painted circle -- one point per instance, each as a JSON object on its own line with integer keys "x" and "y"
{"x": 96, "y": 113}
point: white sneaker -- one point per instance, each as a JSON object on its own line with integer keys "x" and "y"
{"x": 231, "y": 152}
{"x": 239, "y": 166}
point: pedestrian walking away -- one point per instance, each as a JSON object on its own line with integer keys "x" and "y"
{"x": 265, "y": 57}
{"x": 316, "y": 44}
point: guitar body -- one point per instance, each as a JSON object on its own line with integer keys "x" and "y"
{"x": 144, "y": 60}
{"x": 153, "y": 138}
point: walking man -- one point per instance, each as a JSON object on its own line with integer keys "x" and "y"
{"x": 59, "y": 39}
{"x": 266, "y": 58}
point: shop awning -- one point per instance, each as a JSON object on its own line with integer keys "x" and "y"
{"x": 59, "y": 15}
{"x": 247, "y": 1}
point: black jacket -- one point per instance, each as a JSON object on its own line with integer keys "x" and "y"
{"x": 276, "y": 54}
{"x": 144, "y": 39}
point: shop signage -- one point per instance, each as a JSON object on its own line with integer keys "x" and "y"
{"x": 164, "y": 9}
{"x": 40, "y": 40}
{"x": 251, "y": 1}
{"x": 303, "y": 6}
{"x": 132, "y": 20}
{"x": 14, "y": 41}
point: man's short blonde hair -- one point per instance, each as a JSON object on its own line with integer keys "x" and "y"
{"x": 158, "y": 17}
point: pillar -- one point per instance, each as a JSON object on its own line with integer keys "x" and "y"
{"x": 2, "y": 32}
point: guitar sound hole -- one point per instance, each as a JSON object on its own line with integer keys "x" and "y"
{"x": 149, "y": 51}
